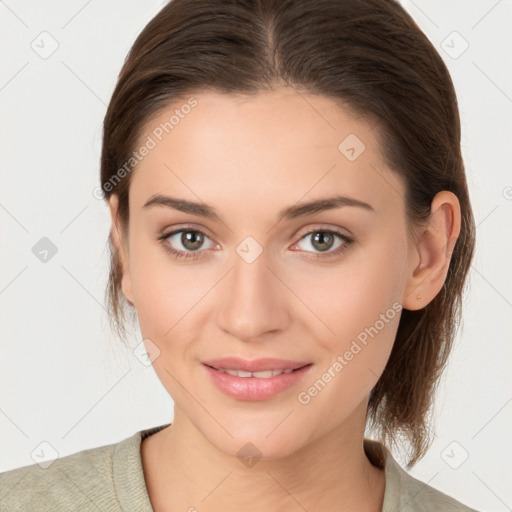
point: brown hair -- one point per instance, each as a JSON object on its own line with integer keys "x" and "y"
{"x": 371, "y": 57}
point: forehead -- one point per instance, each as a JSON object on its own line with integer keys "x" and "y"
{"x": 271, "y": 147}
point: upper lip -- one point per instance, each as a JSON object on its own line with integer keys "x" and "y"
{"x": 255, "y": 365}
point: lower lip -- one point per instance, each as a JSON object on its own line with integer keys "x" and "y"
{"x": 254, "y": 388}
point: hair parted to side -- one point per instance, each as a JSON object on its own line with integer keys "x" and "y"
{"x": 371, "y": 57}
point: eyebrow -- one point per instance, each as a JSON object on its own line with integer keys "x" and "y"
{"x": 291, "y": 212}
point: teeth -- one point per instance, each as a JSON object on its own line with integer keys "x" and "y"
{"x": 259, "y": 375}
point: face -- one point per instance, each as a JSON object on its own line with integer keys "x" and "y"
{"x": 262, "y": 276}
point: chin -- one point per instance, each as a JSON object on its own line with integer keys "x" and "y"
{"x": 258, "y": 441}
{"x": 259, "y": 448}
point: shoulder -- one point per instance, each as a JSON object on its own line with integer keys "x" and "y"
{"x": 404, "y": 492}
{"x": 418, "y": 496}
{"x": 80, "y": 481}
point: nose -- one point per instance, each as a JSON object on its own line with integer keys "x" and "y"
{"x": 253, "y": 301}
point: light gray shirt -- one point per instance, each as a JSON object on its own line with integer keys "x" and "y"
{"x": 110, "y": 478}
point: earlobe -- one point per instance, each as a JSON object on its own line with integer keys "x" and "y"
{"x": 120, "y": 247}
{"x": 432, "y": 251}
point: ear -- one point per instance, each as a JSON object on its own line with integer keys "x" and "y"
{"x": 121, "y": 247}
{"x": 432, "y": 251}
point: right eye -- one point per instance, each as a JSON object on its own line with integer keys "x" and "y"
{"x": 190, "y": 239}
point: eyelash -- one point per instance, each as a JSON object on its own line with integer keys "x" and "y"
{"x": 193, "y": 255}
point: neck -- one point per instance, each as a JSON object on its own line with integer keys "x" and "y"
{"x": 183, "y": 470}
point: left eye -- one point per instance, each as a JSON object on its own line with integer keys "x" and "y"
{"x": 323, "y": 241}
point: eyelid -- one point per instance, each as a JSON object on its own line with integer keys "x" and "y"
{"x": 322, "y": 227}
{"x": 299, "y": 233}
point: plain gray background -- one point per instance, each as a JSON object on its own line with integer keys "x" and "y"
{"x": 68, "y": 383}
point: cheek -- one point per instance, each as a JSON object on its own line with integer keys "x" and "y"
{"x": 168, "y": 294}
{"x": 360, "y": 303}
{"x": 362, "y": 291}
{"x": 364, "y": 313}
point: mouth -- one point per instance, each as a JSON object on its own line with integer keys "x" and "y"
{"x": 255, "y": 366}
{"x": 256, "y": 380}
{"x": 259, "y": 375}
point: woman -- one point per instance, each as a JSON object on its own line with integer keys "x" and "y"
{"x": 292, "y": 226}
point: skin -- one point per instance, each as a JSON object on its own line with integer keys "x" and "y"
{"x": 249, "y": 158}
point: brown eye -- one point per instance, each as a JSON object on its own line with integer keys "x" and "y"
{"x": 322, "y": 240}
{"x": 186, "y": 243}
{"x": 324, "y": 243}
{"x": 192, "y": 240}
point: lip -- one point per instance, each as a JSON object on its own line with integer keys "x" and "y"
{"x": 254, "y": 388}
{"x": 256, "y": 365}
